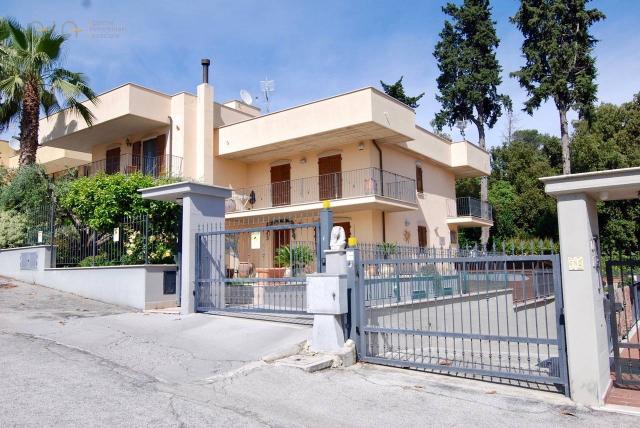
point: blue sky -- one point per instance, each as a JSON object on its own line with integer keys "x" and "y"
{"x": 311, "y": 49}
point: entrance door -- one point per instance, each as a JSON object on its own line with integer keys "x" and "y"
{"x": 330, "y": 180}
{"x": 281, "y": 185}
{"x": 113, "y": 161}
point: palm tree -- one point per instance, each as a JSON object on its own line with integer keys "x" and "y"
{"x": 31, "y": 81}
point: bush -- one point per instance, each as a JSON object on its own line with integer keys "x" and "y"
{"x": 98, "y": 260}
{"x": 26, "y": 190}
{"x": 13, "y": 229}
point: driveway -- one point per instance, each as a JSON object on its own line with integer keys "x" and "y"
{"x": 69, "y": 361}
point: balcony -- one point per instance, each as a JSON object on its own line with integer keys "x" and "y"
{"x": 357, "y": 189}
{"x": 156, "y": 166}
{"x": 469, "y": 212}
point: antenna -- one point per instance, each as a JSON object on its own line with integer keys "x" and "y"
{"x": 14, "y": 143}
{"x": 267, "y": 86}
{"x": 246, "y": 96}
{"x": 461, "y": 124}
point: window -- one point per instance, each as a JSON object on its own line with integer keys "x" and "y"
{"x": 419, "y": 184}
{"x": 422, "y": 236}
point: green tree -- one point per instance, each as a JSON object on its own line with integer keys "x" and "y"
{"x": 559, "y": 64}
{"x": 470, "y": 73}
{"x": 32, "y": 80}
{"x": 396, "y": 90}
{"x": 610, "y": 140}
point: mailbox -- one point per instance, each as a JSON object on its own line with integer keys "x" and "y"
{"x": 327, "y": 294}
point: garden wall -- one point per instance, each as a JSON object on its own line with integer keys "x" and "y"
{"x": 139, "y": 287}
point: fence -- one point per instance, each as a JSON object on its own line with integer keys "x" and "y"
{"x": 346, "y": 184}
{"x": 462, "y": 312}
{"x": 135, "y": 240}
{"x": 258, "y": 266}
{"x": 469, "y": 207}
{"x": 156, "y": 166}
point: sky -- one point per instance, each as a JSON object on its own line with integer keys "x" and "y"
{"x": 312, "y": 49}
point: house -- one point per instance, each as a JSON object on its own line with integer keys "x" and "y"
{"x": 387, "y": 178}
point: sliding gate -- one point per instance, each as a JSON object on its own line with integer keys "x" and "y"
{"x": 260, "y": 269}
{"x": 497, "y": 317}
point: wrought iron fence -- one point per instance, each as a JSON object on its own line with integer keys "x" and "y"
{"x": 469, "y": 207}
{"x": 347, "y": 184}
{"x": 156, "y": 166}
{"x": 135, "y": 240}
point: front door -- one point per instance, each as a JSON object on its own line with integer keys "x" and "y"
{"x": 281, "y": 185}
{"x": 330, "y": 177}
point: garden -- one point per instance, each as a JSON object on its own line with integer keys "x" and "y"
{"x": 91, "y": 221}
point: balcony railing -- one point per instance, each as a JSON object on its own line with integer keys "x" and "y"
{"x": 340, "y": 185}
{"x": 470, "y": 207}
{"x": 156, "y": 166}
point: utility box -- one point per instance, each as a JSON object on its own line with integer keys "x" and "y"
{"x": 327, "y": 294}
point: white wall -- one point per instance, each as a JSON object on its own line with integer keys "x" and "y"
{"x": 139, "y": 287}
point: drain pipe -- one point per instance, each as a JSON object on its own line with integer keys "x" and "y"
{"x": 170, "y": 146}
{"x": 384, "y": 220}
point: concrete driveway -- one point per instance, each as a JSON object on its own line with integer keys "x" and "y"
{"x": 69, "y": 361}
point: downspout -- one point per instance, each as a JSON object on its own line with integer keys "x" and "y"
{"x": 384, "y": 221}
{"x": 170, "y": 146}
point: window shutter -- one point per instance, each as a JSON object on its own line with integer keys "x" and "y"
{"x": 419, "y": 184}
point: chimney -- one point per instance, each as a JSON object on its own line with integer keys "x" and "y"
{"x": 205, "y": 70}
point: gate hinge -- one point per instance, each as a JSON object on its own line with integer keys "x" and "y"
{"x": 561, "y": 319}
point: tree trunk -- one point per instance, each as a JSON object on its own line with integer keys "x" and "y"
{"x": 484, "y": 186}
{"x": 564, "y": 136}
{"x": 29, "y": 123}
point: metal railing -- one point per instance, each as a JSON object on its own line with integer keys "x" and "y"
{"x": 469, "y": 207}
{"x": 340, "y": 185}
{"x": 156, "y": 166}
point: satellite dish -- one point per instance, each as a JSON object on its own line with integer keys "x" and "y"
{"x": 14, "y": 144}
{"x": 246, "y": 96}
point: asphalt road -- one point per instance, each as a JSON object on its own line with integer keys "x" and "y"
{"x": 69, "y": 361}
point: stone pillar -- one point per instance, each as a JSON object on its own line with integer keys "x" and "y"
{"x": 585, "y": 325}
{"x": 204, "y": 134}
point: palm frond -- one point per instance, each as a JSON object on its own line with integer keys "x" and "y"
{"x": 17, "y": 33}
{"x": 77, "y": 107}
{"x": 11, "y": 87}
{"x": 9, "y": 114}
{"x": 49, "y": 43}
{"x": 49, "y": 103}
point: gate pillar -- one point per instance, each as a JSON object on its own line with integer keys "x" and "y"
{"x": 201, "y": 205}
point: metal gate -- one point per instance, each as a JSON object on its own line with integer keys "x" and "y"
{"x": 623, "y": 279}
{"x": 458, "y": 312}
{"x": 259, "y": 269}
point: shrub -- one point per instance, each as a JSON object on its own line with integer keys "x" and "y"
{"x": 13, "y": 229}
{"x": 26, "y": 190}
{"x": 294, "y": 256}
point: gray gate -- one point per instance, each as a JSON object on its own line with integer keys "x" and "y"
{"x": 494, "y": 316}
{"x": 258, "y": 269}
{"x": 623, "y": 279}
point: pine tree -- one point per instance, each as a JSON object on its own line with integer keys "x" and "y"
{"x": 470, "y": 73}
{"x": 557, "y": 48}
{"x": 396, "y": 91}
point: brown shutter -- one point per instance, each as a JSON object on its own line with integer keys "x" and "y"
{"x": 422, "y": 236}
{"x": 136, "y": 156}
{"x": 281, "y": 185}
{"x": 419, "y": 184}
{"x": 113, "y": 161}
{"x": 330, "y": 177}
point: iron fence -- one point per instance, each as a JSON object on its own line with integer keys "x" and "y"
{"x": 155, "y": 166}
{"x": 493, "y": 315}
{"x": 469, "y": 207}
{"x": 347, "y": 184}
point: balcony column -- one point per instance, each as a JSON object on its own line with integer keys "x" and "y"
{"x": 204, "y": 134}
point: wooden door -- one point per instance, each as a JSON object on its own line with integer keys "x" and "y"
{"x": 113, "y": 161}
{"x": 160, "y": 161}
{"x": 422, "y": 237}
{"x": 281, "y": 185}
{"x": 330, "y": 177}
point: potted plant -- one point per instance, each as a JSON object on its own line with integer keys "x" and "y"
{"x": 295, "y": 258}
{"x": 387, "y": 249}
